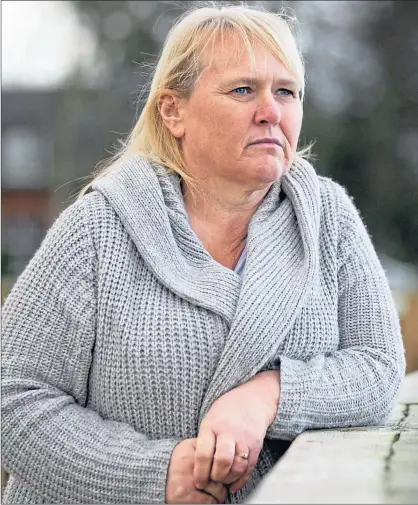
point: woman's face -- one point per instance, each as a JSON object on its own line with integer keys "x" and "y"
{"x": 231, "y": 109}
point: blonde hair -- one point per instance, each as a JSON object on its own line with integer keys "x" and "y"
{"x": 181, "y": 64}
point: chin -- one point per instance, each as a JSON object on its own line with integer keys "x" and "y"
{"x": 271, "y": 172}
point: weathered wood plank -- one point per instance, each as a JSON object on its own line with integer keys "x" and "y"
{"x": 404, "y": 417}
{"x": 357, "y": 465}
{"x": 412, "y": 420}
{"x": 400, "y": 480}
{"x": 409, "y": 391}
{"x": 332, "y": 466}
{"x": 369, "y": 466}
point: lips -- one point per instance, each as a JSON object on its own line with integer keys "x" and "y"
{"x": 268, "y": 141}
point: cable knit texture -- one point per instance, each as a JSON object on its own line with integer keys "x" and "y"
{"x": 123, "y": 330}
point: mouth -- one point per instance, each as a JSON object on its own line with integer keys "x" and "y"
{"x": 268, "y": 141}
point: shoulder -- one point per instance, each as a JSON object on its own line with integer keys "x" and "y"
{"x": 91, "y": 204}
{"x": 335, "y": 198}
{"x": 341, "y": 218}
{"x": 66, "y": 255}
{"x": 70, "y": 239}
{"x": 353, "y": 236}
{"x": 70, "y": 226}
{"x": 90, "y": 213}
{"x": 332, "y": 192}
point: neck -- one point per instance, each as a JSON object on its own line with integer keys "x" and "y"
{"x": 219, "y": 214}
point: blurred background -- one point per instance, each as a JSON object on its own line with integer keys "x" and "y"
{"x": 72, "y": 72}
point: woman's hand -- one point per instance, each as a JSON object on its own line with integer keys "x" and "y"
{"x": 232, "y": 433}
{"x": 180, "y": 486}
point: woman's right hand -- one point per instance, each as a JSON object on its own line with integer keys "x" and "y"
{"x": 180, "y": 486}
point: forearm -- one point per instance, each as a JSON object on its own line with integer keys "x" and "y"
{"x": 68, "y": 453}
{"x": 352, "y": 387}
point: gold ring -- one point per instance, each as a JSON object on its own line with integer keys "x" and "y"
{"x": 243, "y": 455}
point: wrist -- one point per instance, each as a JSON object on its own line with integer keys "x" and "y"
{"x": 269, "y": 390}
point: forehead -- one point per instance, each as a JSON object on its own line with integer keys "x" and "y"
{"x": 230, "y": 58}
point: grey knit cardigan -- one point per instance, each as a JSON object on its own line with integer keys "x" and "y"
{"x": 122, "y": 331}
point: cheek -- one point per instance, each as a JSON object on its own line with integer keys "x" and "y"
{"x": 206, "y": 124}
{"x": 291, "y": 129}
{"x": 291, "y": 126}
{"x": 226, "y": 123}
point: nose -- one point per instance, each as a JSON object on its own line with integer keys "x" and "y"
{"x": 268, "y": 112}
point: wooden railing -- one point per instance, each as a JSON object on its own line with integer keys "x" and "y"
{"x": 357, "y": 465}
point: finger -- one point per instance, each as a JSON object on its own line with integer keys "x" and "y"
{"x": 223, "y": 458}
{"x": 217, "y": 490}
{"x": 239, "y": 465}
{"x": 209, "y": 499}
{"x": 205, "y": 449}
{"x": 252, "y": 461}
{"x": 202, "y": 497}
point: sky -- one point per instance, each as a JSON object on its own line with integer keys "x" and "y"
{"x": 42, "y": 42}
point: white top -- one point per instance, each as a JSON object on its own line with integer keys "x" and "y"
{"x": 239, "y": 269}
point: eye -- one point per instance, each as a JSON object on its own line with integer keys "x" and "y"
{"x": 285, "y": 92}
{"x": 243, "y": 90}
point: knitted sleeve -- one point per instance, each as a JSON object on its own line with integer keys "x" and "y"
{"x": 52, "y": 443}
{"x": 358, "y": 384}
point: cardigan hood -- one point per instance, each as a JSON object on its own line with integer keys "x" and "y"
{"x": 282, "y": 242}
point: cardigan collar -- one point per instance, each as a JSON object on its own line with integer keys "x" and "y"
{"x": 282, "y": 258}
{"x": 150, "y": 204}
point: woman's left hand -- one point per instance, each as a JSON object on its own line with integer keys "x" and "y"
{"x": 235, "y": 426}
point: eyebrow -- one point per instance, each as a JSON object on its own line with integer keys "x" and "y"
{"x": 290, "y": 83}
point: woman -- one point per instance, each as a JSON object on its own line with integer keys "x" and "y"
{"x": 176, "y": 325}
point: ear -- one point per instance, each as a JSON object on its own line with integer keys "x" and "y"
{"x": 169, "y": 109}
